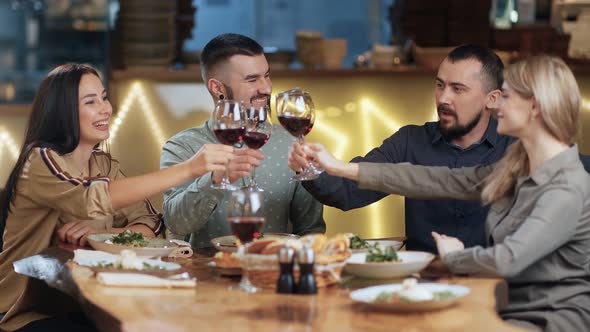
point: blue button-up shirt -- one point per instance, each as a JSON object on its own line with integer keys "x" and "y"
{"x": 422, "y": 145}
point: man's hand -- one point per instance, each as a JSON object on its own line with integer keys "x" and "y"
{"x": 240, "y": 165}
{"x": 447, "y": 244}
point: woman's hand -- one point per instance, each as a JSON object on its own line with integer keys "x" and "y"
{"x": 447, "y": 244}
{"x": 75, "y": 233}
{"x": 210, "y": 158}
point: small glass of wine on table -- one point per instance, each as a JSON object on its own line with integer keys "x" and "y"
{"x": 228, "y": 124}
{"x": 245, "y": 216}
{"x": 296, "y": 114}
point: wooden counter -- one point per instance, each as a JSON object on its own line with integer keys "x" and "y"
{"x": 211, "y": 306}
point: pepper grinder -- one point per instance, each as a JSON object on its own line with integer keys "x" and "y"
{"x": 286, "y": 283}
{"x": 306, "y": 260}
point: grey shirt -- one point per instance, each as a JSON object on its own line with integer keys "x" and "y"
{"x": 196, "y": 209}
{"x": 538, "y": 236}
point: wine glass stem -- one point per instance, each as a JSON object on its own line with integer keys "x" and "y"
{"x": 245, "y": 281}
{"x": 252, "y": 178}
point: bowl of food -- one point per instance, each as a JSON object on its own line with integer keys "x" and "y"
{"x": 410, "y": 296}
{"x": 383, "y": 263}
{"x": 228, "y": 243}
{"x": 141, "y": 245}
{"x": 358, "y": 244}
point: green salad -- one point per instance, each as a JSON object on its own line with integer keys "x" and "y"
{"x": 130, "y": 238}
{"x": 379, "y": 254}
{"x": 357, "y": 243}
{"x": 394, "y": 297}
{"x": 119, "y": 266}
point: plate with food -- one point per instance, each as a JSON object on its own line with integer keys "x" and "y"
{"x": 228, "y": 243}
{"x": 141, "y": 245}
{"x": 126, "y": 261}
{"x": 227, "y": 264}
{"x": 358, "y": 244}
{"x": 386, "y": 262}
{"x": 410, "y": 296}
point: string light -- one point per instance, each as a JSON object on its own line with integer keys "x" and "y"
{"x": 341, "y": 139}
{"x": 137, "y": 93}
{"x": 370, "y": 111}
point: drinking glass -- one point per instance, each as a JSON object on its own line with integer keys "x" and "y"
{"x": 246, "y": 217}
{"x": 296, "y": 114}
{"x": 228, "y": 124}
{"x": 258, "y": 130}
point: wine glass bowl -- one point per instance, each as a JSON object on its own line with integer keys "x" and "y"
{"x": 228, "y": 125}
{"x": 296, "y": 113}
{"x": 246, "y": 217}
{"x": 258, "y": 131}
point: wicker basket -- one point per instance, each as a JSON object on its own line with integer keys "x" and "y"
{"x": 263, "y": 271}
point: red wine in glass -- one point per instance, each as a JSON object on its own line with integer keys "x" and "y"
{"x": 244, "y": 228}
{"x": 255, "y": 140}
{"x": 229, "y": 136}
{"x": 297, "y": 126}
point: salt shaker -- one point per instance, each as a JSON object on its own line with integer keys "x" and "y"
{"x": 306, "y": 260}
{"x": 286, "y": 282}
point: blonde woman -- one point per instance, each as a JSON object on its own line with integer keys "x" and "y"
{"x": 538, "y": 227}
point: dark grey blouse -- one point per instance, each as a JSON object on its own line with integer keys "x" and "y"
{"x": 538, "y": 236}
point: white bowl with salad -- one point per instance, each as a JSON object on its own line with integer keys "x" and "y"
{"x": 386, "y": 262}
{"x": 358, "y": 244}
{"x": 141, "y": 245}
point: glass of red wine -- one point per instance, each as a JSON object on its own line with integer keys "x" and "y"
{"x": 228, "y": 124}
{"x": 258, "y": 130}
{"x": 246, "y": 218}
{"x": 296, "y": 114}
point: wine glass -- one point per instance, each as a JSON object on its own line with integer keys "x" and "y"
{"x": 228, "y": 124}
{"x": 296, "y": 114}
{"x": 246, "y": 218}
{"x": 258, "y": 130}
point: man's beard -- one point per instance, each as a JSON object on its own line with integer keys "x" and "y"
{"x": 457, "y": 130}
{"x": 230, "y": 95}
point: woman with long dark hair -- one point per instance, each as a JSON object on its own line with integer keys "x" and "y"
{"x": 63, "y": 187}
{"x": 538, "y": 226}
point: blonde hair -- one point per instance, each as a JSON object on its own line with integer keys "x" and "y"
{"x": 551, "y": 83}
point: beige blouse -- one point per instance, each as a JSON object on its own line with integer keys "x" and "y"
{"x": 47, "y": 197}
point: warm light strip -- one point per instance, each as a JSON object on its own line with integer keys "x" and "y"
{"x": 367, "y": 110}
{"x": 326, "y": 130}
{"x": 137, "y": 93}
{"x": 6, "y": 141}
{"x": 383, "y": 117}
{"x": 586, "y": 104}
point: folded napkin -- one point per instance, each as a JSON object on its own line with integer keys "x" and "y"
{"x": 142, "y": 280}
{"x": 184, "y": 251}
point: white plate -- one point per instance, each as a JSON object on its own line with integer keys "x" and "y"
{"x": 411, "y": 262}
{"x": 385, "y": 243}
{"x": 155, "y": 248}
{"x": 228, "y": 243}
{"x": 94, "y": 258}
{"x": 369, "y": 294}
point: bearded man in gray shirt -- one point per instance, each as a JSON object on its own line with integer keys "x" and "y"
{"x": 234, "y": 67}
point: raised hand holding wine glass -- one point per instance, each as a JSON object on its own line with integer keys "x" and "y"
{"x": 228, "y": 124}
{"x": 246, "y": 218}
{"x": 296, "y": 113}
{"x": 258, "y": 131}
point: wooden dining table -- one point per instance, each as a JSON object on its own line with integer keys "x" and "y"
{"x": 216, "y": 304}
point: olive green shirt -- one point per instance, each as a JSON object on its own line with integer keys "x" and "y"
{"x": 538, "y": 236}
